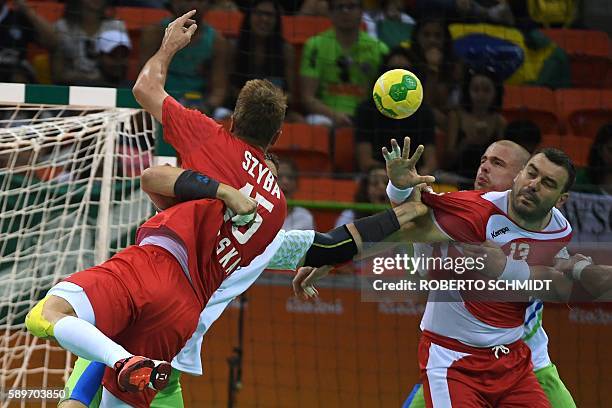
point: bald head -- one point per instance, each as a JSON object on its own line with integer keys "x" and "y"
{"x": 500, "y": 163}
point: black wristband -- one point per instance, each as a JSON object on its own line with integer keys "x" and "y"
{"x": 191, "y": 185}
{"x": 377, "y": 227}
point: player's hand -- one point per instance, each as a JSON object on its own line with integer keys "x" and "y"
{"x": 492, "y": 255}
{"x": 305, "y": 278}
{"x": 566, "y": 266}
{"x": 410, "y": 210}
{"x": 243, "y": 208}
{"x": 401, "y": 168}
{"x": 179, "y": 33}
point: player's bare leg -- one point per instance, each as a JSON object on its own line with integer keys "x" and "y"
{"x": 71, "y": 404}
{"x": 54, "y": 317}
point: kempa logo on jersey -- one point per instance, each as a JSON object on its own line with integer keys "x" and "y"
{"x": 500, "y": 232}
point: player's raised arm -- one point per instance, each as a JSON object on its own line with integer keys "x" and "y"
{"x": 149, "y": 88}
{"x": 167, "y": 185}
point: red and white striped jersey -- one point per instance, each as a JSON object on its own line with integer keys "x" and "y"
{"x": 474, "y": 217}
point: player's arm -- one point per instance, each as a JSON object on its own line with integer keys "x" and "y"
{"x": 149, "y": 88}
{"x": 167, "y": 185}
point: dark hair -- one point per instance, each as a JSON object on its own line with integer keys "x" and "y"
{"x": 466, "y": 98}
{"x": 399, "y": 51}
{"x": 74, "y": 9}
{"x": 332, "y": 5}
{"x": 361, "y": 195}
{"x": 596, "y": 164}
{"x": 259, "y": 112}
{"x": 274, "y": 62}
{"x": 524, "y": 133}
{"x": 447, "y": 46}
{"x": 560, "y": 158}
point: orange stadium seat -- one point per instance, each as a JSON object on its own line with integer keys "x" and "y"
{"x": 344, "y": 150}
{"x": 584, "y": 111}
{"x": 589, "y": 53}
{"x": 307, "y": 145}
{"x": 531, "y": 103}
{"x": 136, "y": 18}
{"x": 298, "y": 29}
{"x": 577, "y": 148}
{"x": 49, "y": 10}
{"x": 226, "y": 22}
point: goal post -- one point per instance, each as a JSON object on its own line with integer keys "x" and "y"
{"x": 70, "y": 166}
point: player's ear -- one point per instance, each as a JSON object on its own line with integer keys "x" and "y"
{"x": 231, "y": 129}
{"x": 562, "y": 200}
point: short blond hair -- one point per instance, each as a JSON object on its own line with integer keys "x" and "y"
{"x": 259, "y": 112}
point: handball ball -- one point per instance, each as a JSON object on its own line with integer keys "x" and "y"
{"x": 398, "y": 93}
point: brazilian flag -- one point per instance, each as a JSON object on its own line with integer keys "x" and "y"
{"x": 518, "y": 58}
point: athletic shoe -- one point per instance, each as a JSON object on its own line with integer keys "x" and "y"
{"x": 136, "y": 373}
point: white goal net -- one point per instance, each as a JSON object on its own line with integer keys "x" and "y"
{"x": 69, "y": 198}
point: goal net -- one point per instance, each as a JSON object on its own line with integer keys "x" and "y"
{"x": 69, "y": 198}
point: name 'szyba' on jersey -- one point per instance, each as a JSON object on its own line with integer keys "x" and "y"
{"x": 216, "y": 248}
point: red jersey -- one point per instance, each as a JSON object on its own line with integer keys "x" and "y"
{"x": 474, "y": 217}
{"x": 214, "y": 246}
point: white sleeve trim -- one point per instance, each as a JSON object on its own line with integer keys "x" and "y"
{"x": 397, "y": 195}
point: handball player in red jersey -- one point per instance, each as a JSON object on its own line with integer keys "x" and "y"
{"x": 147, "y": 299}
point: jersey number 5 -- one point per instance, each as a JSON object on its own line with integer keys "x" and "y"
{"x": 243, "y": 237}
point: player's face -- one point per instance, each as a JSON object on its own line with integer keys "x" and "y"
{"x": 538, "y": 188}
{"x": 498, "y": 168}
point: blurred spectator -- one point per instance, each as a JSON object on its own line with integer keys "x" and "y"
{"x": 372, "y": 189}
{"x": 75, "y": 60}
{"x": 198, "y": 74}
{"x": 113, "y": 58}
{"x": 524, "y": 133}
{"x": 597, "y": 176}
{"x": 439, "y": 70}
{"x": 338, "y": 67}
{"x": 374, "y": 130}
{"x": 390, "y": 24}
{"x": 19, "y": 27}
{"x": 470, "y": 11}
{"x": 476, "y": 124}
{"x": 261, "y": 51}
{"x": 297, "y": 217}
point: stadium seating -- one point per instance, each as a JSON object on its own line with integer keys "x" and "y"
{"x": 298, "y": 29}
{"x": 226, "y": 22}
{"x": 531, "y": 103}
{"x": 344, "y": 150}
{"x": 576, "y": 147}
{"x": 307, "y": 145}
{"x": 589, "y": 53}
{"x": 584, "y": 111}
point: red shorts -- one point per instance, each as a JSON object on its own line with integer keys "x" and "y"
{"x": 142, "y": 300}
{"x": 457, "y": 375}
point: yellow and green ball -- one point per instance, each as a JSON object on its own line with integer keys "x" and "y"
{"x": 398, "y": 93}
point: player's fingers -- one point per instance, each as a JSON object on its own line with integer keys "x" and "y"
{"x": 299, "y": 277}
{"x": 315, "y": 275}
{"x": 186, "y": 16}
{"x": 416, "y": 156}
{"x": 406, "y": 148}
{"x": 395, "y": 149}
{"x": 386, "y": 154}
{"x": 426, "y": 180}
{"x": 189, "y": 22}
{"x": 192, "y": 28}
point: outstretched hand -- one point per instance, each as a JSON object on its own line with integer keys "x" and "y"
{"x": 179, "y": 33}
{"x": 304, "y": 280}
{"x": 401, "y": 168}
